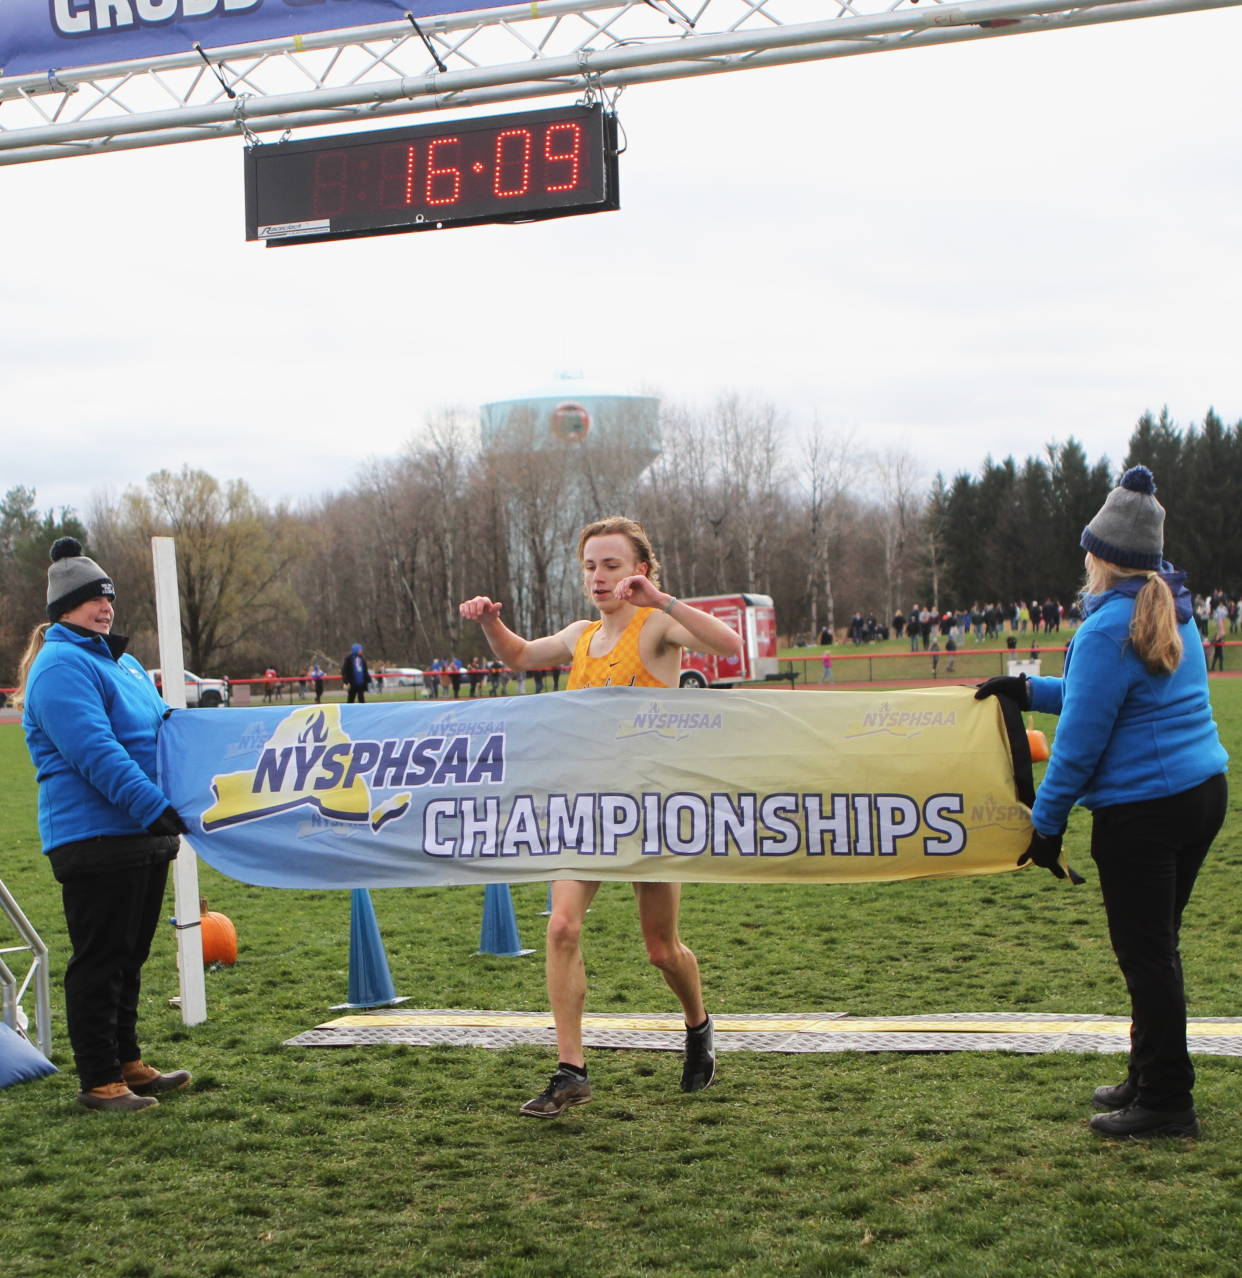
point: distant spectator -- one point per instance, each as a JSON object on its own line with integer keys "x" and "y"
{"x": 316, "y": 676}
{"x": 355, "y": 678}
{"x": 475, "y": 674}
{"x": 946, "y": 622}
{"x": 856, "y": 628}
{"x": 912, "y": 628}
{"x": 899, "y": 624}
{"x": 826, "y": 662}
{"x": 825, "y": 635}
{"x": 950, "y": 646}
{"x": 925, "y": 627}
{"x": 556, "y": 678}
{"x": 494, "y": 672}
{"x": 455, "y": 670}
{"x": 935, "y": 656}
{"x": 1218, "y": 652}
{"x": 538, "y": 681}
{"x": 269, "y": 683}
{"x": 431, "y": 680}
{"x": 1011, "y": 642}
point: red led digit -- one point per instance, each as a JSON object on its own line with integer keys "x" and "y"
{"x": 432, "y": 173}
{"x": 329, "y": 184}
{"x": 561, "y": 156}
{"x": 509, "y": 169}
{"x": 396, "y": 177}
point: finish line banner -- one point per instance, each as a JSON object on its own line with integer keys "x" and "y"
{"x": 608, "y": 783}
{"x": 40, "y": 35}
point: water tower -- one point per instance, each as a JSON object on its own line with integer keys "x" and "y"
{"x": 586, "y": 417}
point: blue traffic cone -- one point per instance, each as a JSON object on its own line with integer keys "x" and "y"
{"x": 370, "y": 982}
{"x": 499, "y": 934}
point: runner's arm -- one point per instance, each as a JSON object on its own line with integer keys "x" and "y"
{"x": 518, "y": 653}
{"x": 683, "y": 626}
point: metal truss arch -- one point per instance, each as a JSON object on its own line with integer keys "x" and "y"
{"x": 492, "y": 56}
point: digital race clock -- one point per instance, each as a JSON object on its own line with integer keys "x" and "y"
{"x": 507, "y": 168}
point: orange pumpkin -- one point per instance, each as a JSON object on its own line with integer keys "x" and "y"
{"x": 1040, "y": 752}
{"x": 219, "y": 936}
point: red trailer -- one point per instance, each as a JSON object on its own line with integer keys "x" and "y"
{"x": 754, "y": 618}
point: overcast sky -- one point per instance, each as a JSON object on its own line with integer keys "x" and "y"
{"x": 973, "y": 249}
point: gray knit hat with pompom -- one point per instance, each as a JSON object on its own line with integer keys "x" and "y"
{"x": 1129, "y": 528}
{"x": 73, "y": 579}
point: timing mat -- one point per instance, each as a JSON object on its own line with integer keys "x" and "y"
{"x": 776, "y": 1032}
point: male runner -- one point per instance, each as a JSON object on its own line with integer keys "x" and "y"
{"x": 637, "y": 642}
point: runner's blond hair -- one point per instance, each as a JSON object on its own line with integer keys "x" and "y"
{"x": 633, "y": 532}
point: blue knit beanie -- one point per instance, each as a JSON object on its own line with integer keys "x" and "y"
{"x": 1129, "y": 528}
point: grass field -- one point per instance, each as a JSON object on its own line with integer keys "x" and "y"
{"x": 400, "y": 1161}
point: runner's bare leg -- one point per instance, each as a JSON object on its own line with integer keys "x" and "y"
{"x": 565, "y": 969}
{"x": 658, "y": 904}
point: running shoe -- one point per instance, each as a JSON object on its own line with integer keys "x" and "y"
{"x": 699, "y": 1070}
{"x": 563, "y": 1091}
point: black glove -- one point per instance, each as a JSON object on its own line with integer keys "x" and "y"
{"x": 1016, "y": 688}
{"x": 1045, "y": 851}
{"x": 168, "y": 824}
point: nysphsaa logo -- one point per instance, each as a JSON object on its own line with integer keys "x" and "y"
{"x": 310, "y": 761}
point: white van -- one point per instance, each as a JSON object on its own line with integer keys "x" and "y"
{"x": 205, "y": 693}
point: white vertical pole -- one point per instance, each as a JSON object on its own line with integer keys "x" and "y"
{"x": 185, "y": 867}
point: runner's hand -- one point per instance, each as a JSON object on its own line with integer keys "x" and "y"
{"x": 640, "y": 592}
{"x": 1017, "y": 689}
{"x": 480, "y": 609}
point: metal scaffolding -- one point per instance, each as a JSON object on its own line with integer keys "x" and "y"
{"x": 11, "y": 994}
{"x": 491, "y": 56}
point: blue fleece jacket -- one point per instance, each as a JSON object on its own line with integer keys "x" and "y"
{"x": 1125, "y": 735}
{"x": 91, "y": 723}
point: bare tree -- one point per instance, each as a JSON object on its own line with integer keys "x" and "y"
{"x": 751, "y": 438}
{"x": 830, "y": 467}
{"x": 897, "y": 481}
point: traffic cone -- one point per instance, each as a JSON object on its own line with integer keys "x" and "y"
{"x": 499, "y": 934}
{"x": 370, "y": 982}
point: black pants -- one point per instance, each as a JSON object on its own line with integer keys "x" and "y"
{"x": 1148, "y": 855}
{"x": 112, "y": 917}
{"x": 357, "y": 694}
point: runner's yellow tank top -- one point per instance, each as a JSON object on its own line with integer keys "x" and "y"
{"x": 622, "y": 667}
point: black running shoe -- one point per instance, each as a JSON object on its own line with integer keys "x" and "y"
{"x": 1134, "y": 1120}
{"x": 561, "y": 1092}
{"x": 1113, "y": 1098}
{"x": 699, "y": 1070}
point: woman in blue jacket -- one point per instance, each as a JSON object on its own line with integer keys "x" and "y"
{"x": 91, "y": 717}
{"x": 1137, "y": 745}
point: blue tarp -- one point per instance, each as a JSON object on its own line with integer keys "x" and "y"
{"x": 19, "y": 1061}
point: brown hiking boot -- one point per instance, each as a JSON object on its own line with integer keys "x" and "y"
{"x": 563, "y": 1091}
{"x": 145, "y": 1079}
{"x": 115, "y": 1096}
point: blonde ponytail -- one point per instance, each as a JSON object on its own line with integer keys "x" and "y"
{"x": 34, "y": 645}
{"x": 1153, "y": 627}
